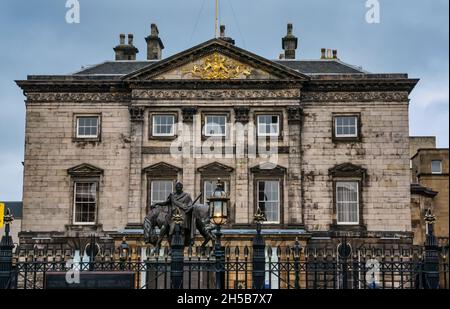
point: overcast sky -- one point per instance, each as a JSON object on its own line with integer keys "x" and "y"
{"x": 412, "y": 37}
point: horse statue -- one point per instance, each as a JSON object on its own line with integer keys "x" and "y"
{"x": 195, "y": 217}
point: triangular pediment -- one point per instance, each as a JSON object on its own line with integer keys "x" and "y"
{"x": 215, "y": 168}
{"x": 85, "y": 170}
{"x": 347, "y": 170}
{"x": 162, "y": 169}
{"x": 215, "y": 60}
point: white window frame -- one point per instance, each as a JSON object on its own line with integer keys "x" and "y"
{"x": 151, "y": 188}
{"x": 75, "y": 204}
{"x": 278, "y": 200}
{"x": 206, "y": 125}
{"x": 78, "y": 117}
{"x": 357, "y": 202}
{"x": 336, "y": 126}
{"x": 154, "y": 125}
{"x": 440, "y": 167}
{"x": 268, "y": 134}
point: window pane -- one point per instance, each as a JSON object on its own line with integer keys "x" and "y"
{"x": 163, "y": 125}
{"x": 215, "y": 125}
{"x": 346, "y": 126}
{"x": 268, "y": 125}
{"x": 268, "y": 199}
{"x": 87, "y": 126}
{"x": 160, "y": 190}
{"x": 347, "y": 202}
{"x": 85, "y": 202}
{"x": 436, "y": 167}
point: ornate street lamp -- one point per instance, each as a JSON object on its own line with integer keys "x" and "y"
{"x": 218, "y": 213}
{"x": 124, "y": 251}
{"x": 218, "y": 205}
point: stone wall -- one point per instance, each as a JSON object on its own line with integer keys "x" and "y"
{"x": 50, "y": 151}
{"x": 383, "y": 151}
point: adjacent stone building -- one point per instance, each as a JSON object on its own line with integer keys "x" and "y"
{"x": 429, "y": 188}
{"x": 321, "y": 146}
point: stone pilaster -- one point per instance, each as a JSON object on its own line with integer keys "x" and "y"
{"x": 135, "y": 179}
{"x": 243, "y": 208}
{"x": 294, "y": 204}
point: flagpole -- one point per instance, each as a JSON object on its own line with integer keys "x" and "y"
{"x": 217, "y": 20}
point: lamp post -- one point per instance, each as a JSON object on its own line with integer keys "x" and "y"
{"x": 177, "y": 250}
{"x": 6, "y": 247}
{"x": 259, "y": 247}
{"x": 124, "y": 251}
{"x": 218, "y": 212}
{"x": 431, "y": 260}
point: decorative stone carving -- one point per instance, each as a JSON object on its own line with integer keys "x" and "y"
{"x": 354, "y": 97}
{"x": 268, "y": 169}
{"x": 188, "y": 113}
{"x": 217, "y": 66}
{"x": 137, "y": 113}
{"x": 78, "y": 97}
{"x": 295, "y": 114}
{"x": 215, "y": 168}
{"x": 85, "y": 170}
{"x": 262, "y": 94}
{"x": 162, "y": 169}
{"x": 242, "y": 114}
{"x": 347, "y": 170}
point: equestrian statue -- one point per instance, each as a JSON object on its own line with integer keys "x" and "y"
{"x": 195, "y": 217}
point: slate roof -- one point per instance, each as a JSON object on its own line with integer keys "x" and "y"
{"x": 321, "y": 66}
{"x": 308, "y": 67}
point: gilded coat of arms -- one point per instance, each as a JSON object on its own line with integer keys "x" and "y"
{"x": 218, "y": 67}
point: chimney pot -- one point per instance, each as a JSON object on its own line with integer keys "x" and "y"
{"x": 154, "y": 44}
{"x": 289, "y": 29}
{"x": 323, "y": 52}
{"x": 335, "y": 54}
{"x": 329, "y": 55}
{"x": 225, "y": 38}
{"x": 126, "y": 52}
{"x": 154, "y": 30}
{"x": 289, "y": 43}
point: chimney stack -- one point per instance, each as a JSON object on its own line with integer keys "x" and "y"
{"x": 328, "y": 54}
{"x": 223, "y": 37}
{"x": 154, "y": 44}
{"x": 289, "y": 43}
{"x": 125, "y": 51}
{"x": 335, "y": 54}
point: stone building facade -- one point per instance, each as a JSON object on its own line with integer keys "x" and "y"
{"x": 320, "y": 145}
{"x": 429, "y": 188}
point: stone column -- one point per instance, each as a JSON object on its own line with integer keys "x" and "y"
{"x": 295, "y": 115}
{"x": 243, "y": 209}
{"x": 135, "y": 180}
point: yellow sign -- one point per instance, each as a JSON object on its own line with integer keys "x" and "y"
{"x": 2, "y": 214}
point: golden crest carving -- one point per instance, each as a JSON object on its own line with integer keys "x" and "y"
{"x": 218, "y": 67}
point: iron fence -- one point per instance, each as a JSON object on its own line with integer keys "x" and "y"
{"x": 259, "y": 266}
{"x": 314, "y": 268}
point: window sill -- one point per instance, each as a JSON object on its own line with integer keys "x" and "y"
{"x": 348, "y": 227}
{"x": 163, "y": 138}
{"x": 86, "y": 140}
{"x": 84, "y": 227}
{"x": 347, "y": 139}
